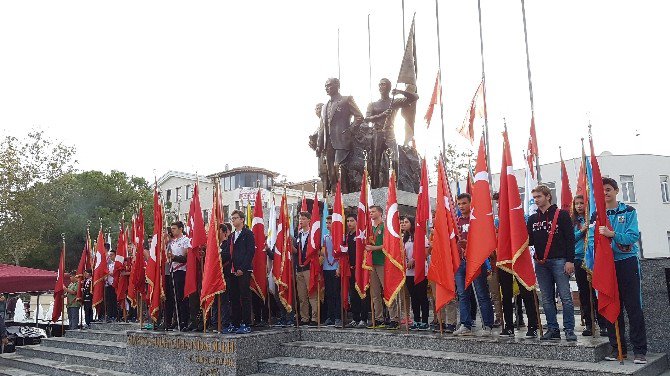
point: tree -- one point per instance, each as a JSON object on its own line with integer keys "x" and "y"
{"x": 24, "y": 164}
{"x": 70, "y": 204}
{"x": 456, "y": 164}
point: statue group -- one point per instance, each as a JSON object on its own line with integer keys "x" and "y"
{"x": 346, "y": 139}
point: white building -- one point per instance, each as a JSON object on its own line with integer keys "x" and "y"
{"x": 238, "y": 189}
{"x": 643, "y": 184}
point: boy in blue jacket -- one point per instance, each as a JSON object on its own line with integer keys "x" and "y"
{"x": 625, "y": 235}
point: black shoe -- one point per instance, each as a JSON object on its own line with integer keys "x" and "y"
{"x": 551, "y": 334}
{"x": 393, "y": 325}
{"x": 329, "y": 322}
{"x": 588, "y": 331}
{"x": 531, "y": 333}
{"x": 603, "y": 332}
{"x": 507, "y": 332}
{"x": 614, "y": 355}
{"x": 312, "y": 323}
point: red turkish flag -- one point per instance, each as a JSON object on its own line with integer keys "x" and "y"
{"x": 340, "y": 249}
{"x": 363, "y": 231}
{"x": 303, "y": 205}
{"x": 84, "y": 263}
{"x": 394, "y": 263}
{"x": 138, "y": 272}
{"x": 196, "y": 227}
{"x": 282, "y": 264}
{"x": 212, "y": 272}
{"x": 121, "y": 280}
{"x": 59, "y": 289}
{"x": 445, "y": 259}
{"x": 259, "y": 280}
{"x": 157, "y": 260}
{"x": 99, "y": 270}
{"x": 513, "y": 253}
{"x": 532, "y": 148}
{"x": 566, "y": 193}
{"x": 313, "y": 248}
{"x": 604, "y": 272}
{"x": 421, "y": 227}
{"x": 482, "y": 232}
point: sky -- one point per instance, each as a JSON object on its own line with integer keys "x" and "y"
{"x": 151, "y": 86}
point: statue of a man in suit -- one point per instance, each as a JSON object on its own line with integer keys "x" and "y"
{"x": 340, "y": 122}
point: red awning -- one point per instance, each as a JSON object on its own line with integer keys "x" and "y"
{"x": 15, "y": 279}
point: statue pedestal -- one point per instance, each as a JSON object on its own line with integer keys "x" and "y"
{"x": 406, "y": 200}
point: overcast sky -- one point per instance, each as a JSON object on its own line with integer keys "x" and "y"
{"x": 140, "y": 86}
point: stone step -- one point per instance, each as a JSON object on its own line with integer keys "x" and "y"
{"x": 115, "y": 326}
{"x": 83, "y": 358}
{"x": 96, "y": 346}
{"x": 586, "y": 349}
{"x": 39, "y": 366}
{"x": 310, "y": 367}
{"x": 10, "y": 371}
{"x": 98, "y": 335}
{"x": 467, "y": 364}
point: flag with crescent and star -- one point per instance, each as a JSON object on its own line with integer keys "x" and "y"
{"x": 513, "y": 253}
{"x": 394, "y": 263}
{"x": 482, "y": 231}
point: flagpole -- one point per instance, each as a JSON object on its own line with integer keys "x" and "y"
{"x": 486, "y": 117}
{"x": 369, "y": 58}
{"x": 439, "y": 75}
{"x": 62, "y": 317}
{"x": 530, "y": 84}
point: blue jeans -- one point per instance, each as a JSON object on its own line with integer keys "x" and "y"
{"x": 73, "y": 317}
{"x": 551, "y": 277}
{"x": 482, "y": 293}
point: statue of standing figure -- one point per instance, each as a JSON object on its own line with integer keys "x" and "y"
{"x": 381, "y": 115}
{"x": 339, "y": 126}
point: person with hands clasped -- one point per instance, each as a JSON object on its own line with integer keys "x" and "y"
{"x": 550, "y": 231}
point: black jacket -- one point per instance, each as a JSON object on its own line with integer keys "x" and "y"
{"x": 243, "y": 249}
{"x": 3, "y": 330}
{"x": 563, "y": 244}
{"x": 351, "y": 244}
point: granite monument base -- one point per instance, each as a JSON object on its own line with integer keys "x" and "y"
{"x": 656, "y": 303}
{"x": 175, "y": 353}
{"x": 406, "y": 200}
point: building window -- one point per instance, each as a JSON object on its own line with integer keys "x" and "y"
{"x": 168, "y": 195}
{"x": 205, "y": 216}
{"x": 176, "y": 194}
{"x": 627, "y": 188}
{"x": 522, "y": 194}
{"x": 189, "y": 192}
{"x": 237, "y": 205}
{"x": 665, "y": 189}
{"x": 226, "y": 209}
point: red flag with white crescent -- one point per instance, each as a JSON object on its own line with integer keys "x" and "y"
{"x": 421, "y": 227}
{"x": 363, "y": 231}
{"x": 482, "y": 233}
{"x": 394, "y": 263}
{"x": 513, "y": 253}
{"x": 99, "y": 270}
{"x": 259, "y": 280}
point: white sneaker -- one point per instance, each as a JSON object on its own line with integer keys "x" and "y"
{"x": 353, "y": 324}
{"x": 463, "y": 331}
{"x": 487, "y": 331}
{"x": 362, "y": 324}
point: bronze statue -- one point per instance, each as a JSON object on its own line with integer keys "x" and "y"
{"x": 382, "y": 114}
{"x": 340, "y": 123}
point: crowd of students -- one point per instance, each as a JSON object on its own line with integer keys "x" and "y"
{"x": 557, "y": 237}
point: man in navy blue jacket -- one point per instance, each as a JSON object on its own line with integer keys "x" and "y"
{"x": 242, "y": 248}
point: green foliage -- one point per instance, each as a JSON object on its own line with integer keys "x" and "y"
{"x": 43, "y": 197}
{"x": 456, "y": 164}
